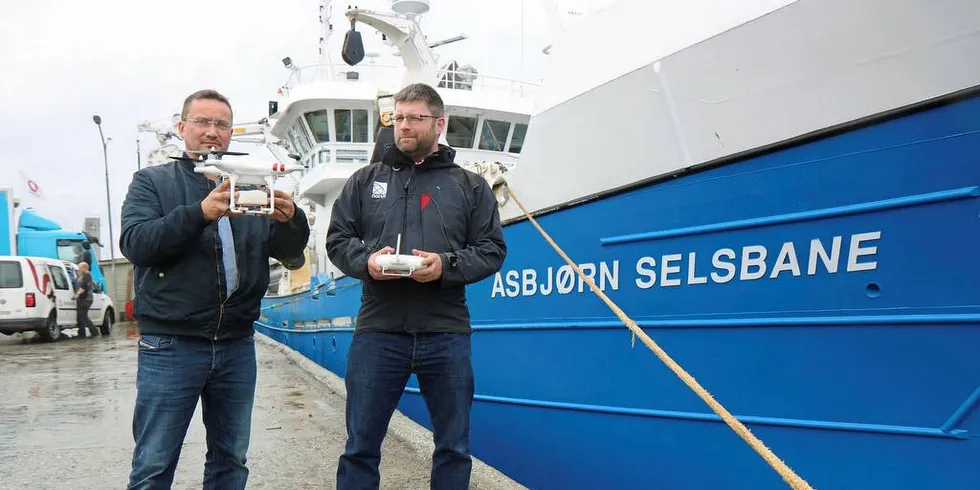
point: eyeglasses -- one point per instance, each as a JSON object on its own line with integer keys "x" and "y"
{"x": 412, "y": 118}
{"x": 217, "y": 123}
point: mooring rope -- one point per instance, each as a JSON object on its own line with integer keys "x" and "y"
{"x": 777, "y": 464}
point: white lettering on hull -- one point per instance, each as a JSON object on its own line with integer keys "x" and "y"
{"x": 749, "y": 263}
{"x": 561, "y": 280}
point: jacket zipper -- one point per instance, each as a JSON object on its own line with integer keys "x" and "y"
{"x": 405, "y": 213}
{"x": 408, "y": 312}
{"x": 238, "y": 264}
{"x": 422, "y": 223}
{"x": 221, "y": 303}
{"x": 217, "y": 269}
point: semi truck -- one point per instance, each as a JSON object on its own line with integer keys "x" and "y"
{"x": 24, "y": 232}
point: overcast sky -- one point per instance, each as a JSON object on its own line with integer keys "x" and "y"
{"x": 131, "y": 61}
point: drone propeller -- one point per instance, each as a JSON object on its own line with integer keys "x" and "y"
{"x": 185, "y": 159}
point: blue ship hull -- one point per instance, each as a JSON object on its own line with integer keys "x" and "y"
{"x": 825, "y": 292}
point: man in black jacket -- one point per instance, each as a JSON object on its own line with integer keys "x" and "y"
{"x": 200, "y": 275}
{"x": 83, "y": 300}
{"x": 447, "y": 216}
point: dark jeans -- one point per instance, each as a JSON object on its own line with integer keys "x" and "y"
{"x": 378, "y": 367}
{"x": 81, "y": 317}
{"x": 173, "y": 373}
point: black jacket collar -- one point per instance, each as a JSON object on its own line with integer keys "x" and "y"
{"x": 443, "y": 157}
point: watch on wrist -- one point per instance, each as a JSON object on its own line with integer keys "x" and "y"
{"x": 452, "y": 259}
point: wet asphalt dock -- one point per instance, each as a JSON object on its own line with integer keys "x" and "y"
{"x": 66, "y": 411}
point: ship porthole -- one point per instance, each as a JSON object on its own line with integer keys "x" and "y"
{"x": 873, "y": 290}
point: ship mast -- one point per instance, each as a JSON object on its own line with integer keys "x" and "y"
{"x": 326, "y": 26}
{"x": 326, "y": 23}
{"x": 402, "y": 31}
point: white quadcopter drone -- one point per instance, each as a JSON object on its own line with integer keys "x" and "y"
{"x": 257, "y": 178}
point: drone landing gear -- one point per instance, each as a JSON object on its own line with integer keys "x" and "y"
{"x": 252, "y": 200}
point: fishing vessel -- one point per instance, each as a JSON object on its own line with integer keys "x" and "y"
{"x": 782, "y": 196}
{"x": 333, "y": 114}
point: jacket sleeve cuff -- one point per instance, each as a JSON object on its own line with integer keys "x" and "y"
{"x": 451, "y": 276}
{"x": 294, "y": 223}
{"x": 195, "y": 215}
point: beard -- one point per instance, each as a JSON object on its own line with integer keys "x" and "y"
{"x": 417, "y": 145}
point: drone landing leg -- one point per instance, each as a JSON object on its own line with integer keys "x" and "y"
{"x": 271, "y": 205}
{"x": 231, "y": 196}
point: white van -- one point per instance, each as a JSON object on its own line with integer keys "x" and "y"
{"x": 38, "y": 294}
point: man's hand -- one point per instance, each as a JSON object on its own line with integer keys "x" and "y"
{"x": 374, "y": 269}
{"x": 431, "y": 269}
{"x": 216, "y": 204}
{"x": 285, "y": 209}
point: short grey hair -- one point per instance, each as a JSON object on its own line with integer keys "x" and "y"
{"x": 204, "y": 94}
{"x": 424, "y": 93}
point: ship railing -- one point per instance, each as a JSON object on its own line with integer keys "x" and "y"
{"x": 380, "y": 74}
{"x": 466, "y": 80}
{"x": 371, "y": 73}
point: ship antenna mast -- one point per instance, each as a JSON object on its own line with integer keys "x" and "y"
{"x": 326, "y": 25}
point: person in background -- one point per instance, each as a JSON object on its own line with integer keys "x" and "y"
{"x": 83, "y": 300}
{"x": 85, "y": 254}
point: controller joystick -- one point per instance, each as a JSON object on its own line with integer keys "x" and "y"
{"x": 397, "y": 264}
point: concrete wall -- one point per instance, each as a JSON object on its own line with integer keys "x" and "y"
{"x": 118, "y": 283}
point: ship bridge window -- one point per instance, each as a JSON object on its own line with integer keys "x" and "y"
{"x": 352, "y": 125}
{"x": 493, "y": 136}
{"x": 517, "y": 140}
{"x": 299, "y": 138}
{"x": 352, "y": 156}
{"x": 324, "y": 156}
{"x": 319, "y": 122}
{"x": 461, "y": 131}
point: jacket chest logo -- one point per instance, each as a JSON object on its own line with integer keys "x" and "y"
{"x": 379, "y": 190}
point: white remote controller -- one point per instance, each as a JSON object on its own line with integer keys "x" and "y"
{"x": 397, "y": 264}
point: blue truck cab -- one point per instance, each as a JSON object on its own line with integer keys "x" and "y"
{"x": 24, "y": 232}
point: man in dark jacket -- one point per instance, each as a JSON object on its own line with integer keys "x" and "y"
{"x": 200, "y": 275}
{"x": 83, "y": 300}
{"x": 418, "y": 198}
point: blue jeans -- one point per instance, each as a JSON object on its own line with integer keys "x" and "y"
{"x": 173, "y": 373}
{"x": 378, "y": 367}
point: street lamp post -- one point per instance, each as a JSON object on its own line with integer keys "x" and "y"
{"x": 105, "y": 159}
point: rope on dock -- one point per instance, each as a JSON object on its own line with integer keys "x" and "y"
{"x": 777, "y": 464}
